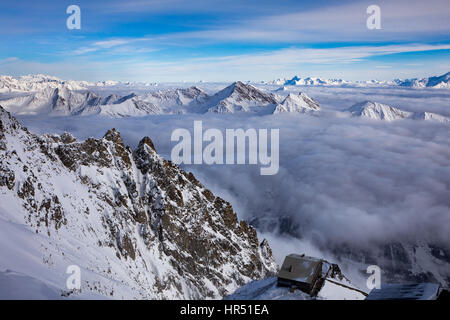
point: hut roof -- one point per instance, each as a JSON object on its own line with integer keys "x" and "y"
{"x": 300, "y": 268}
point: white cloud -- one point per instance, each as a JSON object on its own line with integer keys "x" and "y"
{"x": 111, "y": 43}
{"x": 107, "y": 44}
{"x": 265, "y": 65}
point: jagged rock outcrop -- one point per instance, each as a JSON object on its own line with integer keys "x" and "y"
{"x": 138, "y": 225}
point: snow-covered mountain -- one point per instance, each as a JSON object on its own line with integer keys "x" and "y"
{"x": 135, "y": 224}
{"x": 442, "y": 81}
{"x": 56, "y": 101}
{"x": 430, "y": 116}
{"x": 240, "y": 97}
{"x": 38, "y": 82}
{"x": 309, "y": 81}
{"x": 296, "y": 81}
{"x": 127, "y": 106}
{"x": 188, "y": 100}
{"x": 380, "y": 111}
{"x": 48, "y": 95}
{"x": 300, "y": 103}
{"x": 64, "y": 101}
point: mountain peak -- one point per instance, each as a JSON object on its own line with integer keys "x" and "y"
{"x": 159, "y": 232}
{"x": 147, "y": 141}
{"x": 241, "y": 87}
{"x": 239, "y": 84}
{"x": 113, "y": 135}
{"x": 8, "y": 123}
{"x": 378, "y": 111}
{"x": 300, "y": 103}
{"x": 3, "y": 112}
{"x": 240, "y": 97}
{"x": 442, "y": 81}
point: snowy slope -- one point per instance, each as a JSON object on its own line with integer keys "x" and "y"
{"x": 136, "y": 225}
{"x": 188, "y": 100}
{"x": 297, "y": 81}
{"x": 62, "y": 100}
{"x": 300, "y": 103}
{"x": 55, "y": 101}
{"x": 309, "y": 81}
{"x": 431, "y": 116}
{"x": 128, "y": 106}
{"x": 239, "y": 97}
{"x": 266, "y": 289}
{"x": 335, "y": 287}
{"x": 16, "y": 286}
{"x": 379, "y": 111}
{"x": 38, "y": 82}
{"x": 437, "y": 82}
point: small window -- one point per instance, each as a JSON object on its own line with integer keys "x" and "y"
{"x": 291, "y": 268}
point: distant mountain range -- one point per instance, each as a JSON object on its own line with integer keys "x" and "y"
{"x": 40, "y": 82}
{"x": 379, "y": 111}
{"x": 431, "y": 82}
{"x": 56, "y": 98}
{"x": 33, "y": 95}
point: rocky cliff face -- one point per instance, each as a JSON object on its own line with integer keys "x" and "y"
{"x": 136, "y": 224}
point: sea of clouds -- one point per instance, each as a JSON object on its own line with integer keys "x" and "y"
{"x": 342, "y": 180}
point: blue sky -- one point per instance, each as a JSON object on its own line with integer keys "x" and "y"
{"x": 174, "y": 40}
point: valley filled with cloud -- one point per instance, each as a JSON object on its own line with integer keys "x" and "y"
{"x": 344, "y": 182}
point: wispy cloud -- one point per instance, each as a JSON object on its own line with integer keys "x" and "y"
{"x": 287, "y": 58}
{"x": 112, "y": 43}
{"x": 327, "y": 62}
{"x": 8, "y": 60}
{"x": 109, "y": 44}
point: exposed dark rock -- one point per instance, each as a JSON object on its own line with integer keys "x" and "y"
{"x": 147, "y": 207}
